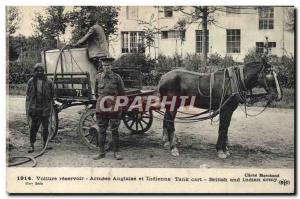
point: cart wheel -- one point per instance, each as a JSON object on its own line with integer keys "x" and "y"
{"x": 138, "y": 122}
{"x": 87, "y": 120}
{"x": 53, "y": 129}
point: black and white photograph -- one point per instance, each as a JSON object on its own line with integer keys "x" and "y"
{"x": 132, "y": 94}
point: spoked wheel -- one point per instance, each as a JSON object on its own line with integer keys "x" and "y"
{"x": 87, "y": 120}
{"x": 138, "y": 122}
{"x": 53, "y": 129}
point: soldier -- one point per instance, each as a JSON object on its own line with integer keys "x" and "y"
{"x": 39, "y": 98}
{"x": 96, "y": 41}
{"x": 111, "y": 84}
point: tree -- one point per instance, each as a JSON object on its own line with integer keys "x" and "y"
{"x": 107, "y": 17}
{"x": 181, "y": 27}
{"x": 203, "y": 15}
{"x": 49, "y": 27}
{"x": 13, "y": 17}
{"x": 150, "y": 32}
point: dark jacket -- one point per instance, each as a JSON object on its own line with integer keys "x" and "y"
{"x": 110, "y": 84}
{"x": 96, "y": 40}
{"x": 47, "y": 96}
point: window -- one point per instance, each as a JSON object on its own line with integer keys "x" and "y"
{"x": 132, "y": 12}
{"x": 172, "y": 34}
{"x": 233, "y": 40}
{"x": 199, "y": 39}
{"x": 132, "y": 42}
{"x": 232, "y": 10}
{"x": 266, "y": 18}
{"x": 260, "y": 46}
{"x": 168, "y": 11}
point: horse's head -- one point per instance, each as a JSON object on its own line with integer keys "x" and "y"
{"x": 267, "y": 78}
{"x": 262, "y": 74}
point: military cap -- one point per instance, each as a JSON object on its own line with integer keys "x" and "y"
{"x": 107, "y": 60}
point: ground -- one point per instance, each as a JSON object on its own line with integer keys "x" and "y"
{"x": 265, "y": 141}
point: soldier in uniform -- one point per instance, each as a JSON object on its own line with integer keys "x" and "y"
{"x": 39, "y": 98}
{"x": 96, "y": 41}
{"x": 109, "y": 84}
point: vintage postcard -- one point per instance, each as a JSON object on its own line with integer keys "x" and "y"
{"x": 150, "y": 99}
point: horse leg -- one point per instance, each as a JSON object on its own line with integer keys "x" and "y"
{"x": 165, "y": 138}
{"x": 171, "y": 133}
{"x": 225, "y": 119}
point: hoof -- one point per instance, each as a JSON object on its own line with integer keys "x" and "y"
{"x": 175, "y": 152}
{"x": 167, "y": 145}
{"x": 227, "y": 153}
{"x": 221, "y": 155}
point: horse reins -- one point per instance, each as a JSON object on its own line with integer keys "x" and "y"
{"x": 238, "y": 89}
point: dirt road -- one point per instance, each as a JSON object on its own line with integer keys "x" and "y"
{"x": 265, "y": 141}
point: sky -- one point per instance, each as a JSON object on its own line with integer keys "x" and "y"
{"x": 27, "y": 20}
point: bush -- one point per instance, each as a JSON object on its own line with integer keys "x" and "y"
{"x": 284, "y": 66}
{"x": 20, "y": 72}
{"x": 194, "y": 62}
{"x": 228, "y": 61}
{"x": 165, "y": 64}
{"x": 134, "y": 60}
{"x": 286, "y": 71}
{"x": 215, "y": 59}
{"x": 252, "y": 56}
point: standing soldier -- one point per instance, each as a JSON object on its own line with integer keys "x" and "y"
{"x": 108, "y": 84}
{"x": 39, "y": 98}
{"x": 96, "y": 41}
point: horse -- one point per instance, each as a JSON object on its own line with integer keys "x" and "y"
{"x": 220, "y": 92}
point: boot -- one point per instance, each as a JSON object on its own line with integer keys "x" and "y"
{"x": 101, "y": 141}
{"x": 118, "y": 156}
{"x": 116, "y": 145}
{"x": 31, "y": 149}
{"x": 99, "y": 156}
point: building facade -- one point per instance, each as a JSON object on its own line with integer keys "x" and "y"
{"x": 231, "y": 31}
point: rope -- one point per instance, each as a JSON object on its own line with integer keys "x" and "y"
{"x": 236, "y": 79}
{"x": 72, "y": 58}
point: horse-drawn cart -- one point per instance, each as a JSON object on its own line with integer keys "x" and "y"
{"x": 74, "y": 82}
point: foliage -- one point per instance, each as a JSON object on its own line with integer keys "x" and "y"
{"x": 165, "y": 63}
{"x": 284, "y": 66}
{"x": 107, "y": 17}
{"x": 215, "y": 59}
{"x": 13, "y": 19}
{"x": 21, "y": 47}
{"x": 252, "y": 56}
{"x": 134, "y": 60}
{"x": 194, "y": 62}
{"x": 20, "y": 72}
{"x": 151, "y": 31}
{"x": 50, "y": 26}
{"x": 228, "y": 61}
{"x": 286, "y": 71}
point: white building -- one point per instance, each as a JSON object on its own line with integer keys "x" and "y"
{"x": 235, "y": 31}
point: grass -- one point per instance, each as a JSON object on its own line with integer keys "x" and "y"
{"x": 286, "y": 102}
